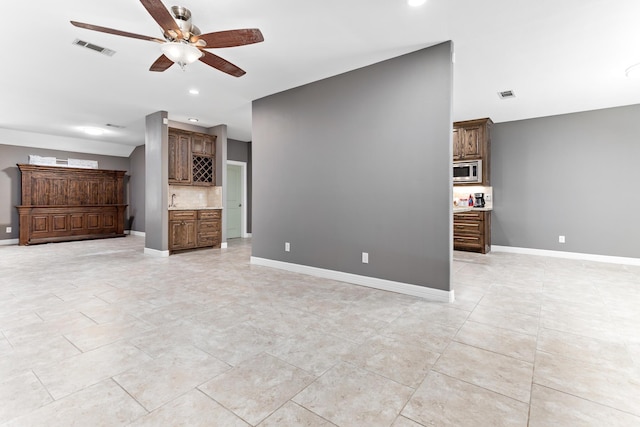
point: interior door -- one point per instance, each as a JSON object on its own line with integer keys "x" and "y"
{"x": 233, "y": 208}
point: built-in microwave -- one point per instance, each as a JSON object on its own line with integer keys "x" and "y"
{"x": 467, "y": 171}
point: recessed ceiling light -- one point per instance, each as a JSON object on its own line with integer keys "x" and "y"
{"x": 633, "y": 71}
{"x": 194, "y": 120}
{"x": 194, "y": 91}
{"x": 93, "y": 131}
{"x": 416, "y": 3}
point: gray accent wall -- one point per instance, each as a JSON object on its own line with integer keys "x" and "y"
{"x": 137, "y": 189}
{"x": 360, "y": 162}
{"x": 10, "y": 179}
{"x": 241, "y": 152}
{"x": 575, "y": 175}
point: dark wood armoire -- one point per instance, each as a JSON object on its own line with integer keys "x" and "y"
{"x": 63, "y": 203}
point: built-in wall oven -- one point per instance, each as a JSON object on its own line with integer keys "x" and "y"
{"x": 467, "y": 171}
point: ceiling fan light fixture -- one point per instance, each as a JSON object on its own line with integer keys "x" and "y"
{"x": 183, "y": 41}
{"x": 182, "y": 16}
{"x": 181, "y": 53}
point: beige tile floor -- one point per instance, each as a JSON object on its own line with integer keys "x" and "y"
{"x": 96, "y": 333}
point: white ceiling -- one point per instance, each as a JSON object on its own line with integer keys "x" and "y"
{"x": 557, "y": 56}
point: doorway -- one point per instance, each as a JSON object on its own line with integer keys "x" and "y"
{"x": 236, "y": 203}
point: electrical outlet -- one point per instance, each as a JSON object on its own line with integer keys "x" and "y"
{"x": 287, "y": 247}
{"x": 365, "y": 257}
{"x": 560, "y": 239}
{"x": 487, "y": 197}
{"x": 8, "y": 229}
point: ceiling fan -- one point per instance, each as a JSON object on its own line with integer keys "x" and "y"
{"x": 183, "y": 42}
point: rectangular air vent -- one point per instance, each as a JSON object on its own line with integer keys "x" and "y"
{"x": 100, "y": 49}
{"x": 506, "y": 94}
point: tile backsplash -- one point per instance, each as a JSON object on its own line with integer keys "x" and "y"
{"x": 193, "y": 197}
{"x": 463, "y": 193}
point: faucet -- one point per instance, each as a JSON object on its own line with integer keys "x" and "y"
{"x": 172, "y": 205}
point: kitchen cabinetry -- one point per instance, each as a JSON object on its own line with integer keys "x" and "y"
{"x": 202, "y": 144}
{"x": 182, "y": 230}
{"x": 191, "y": 158}
{"x": 61, "y": 204}
{"x": 209, "y": 224}
{"x": 189, "y": 229}
{"x": 202, "y": 157}
{"x": 467, "y": 143}
{"x": 472, "y": 141}
{"x": 472, "y": 231}
{"x": 179, "y": 158}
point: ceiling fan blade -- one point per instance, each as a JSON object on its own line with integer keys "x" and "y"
{"x": 161, "y": 64}
{"x": 116, "y": 32}
{"x": 221, "y": 64}
{"x": 232, "y": 38}
{"x": 163, "y": 17}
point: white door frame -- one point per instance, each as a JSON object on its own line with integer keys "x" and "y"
{"x": 243, "y": 189}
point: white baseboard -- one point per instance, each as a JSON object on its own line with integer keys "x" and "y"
{"x": 247, "y": 235}
{"x": 156, "y": 253}
{"x": 223, "y": 245}
{"x": 135, "y": 233}
{"x": 370, "y": 282}
{"x": 7, "y": 242}
{"x": 567, "y": 255}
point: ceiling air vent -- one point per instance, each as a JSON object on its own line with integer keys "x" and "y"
{"x": 506, "y": 94}
{"x": 100, "y": 49}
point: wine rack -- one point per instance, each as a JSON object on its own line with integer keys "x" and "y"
{"x": 203, "y": 170}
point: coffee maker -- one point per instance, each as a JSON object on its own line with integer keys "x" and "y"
{"x": 478, "y": 200}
